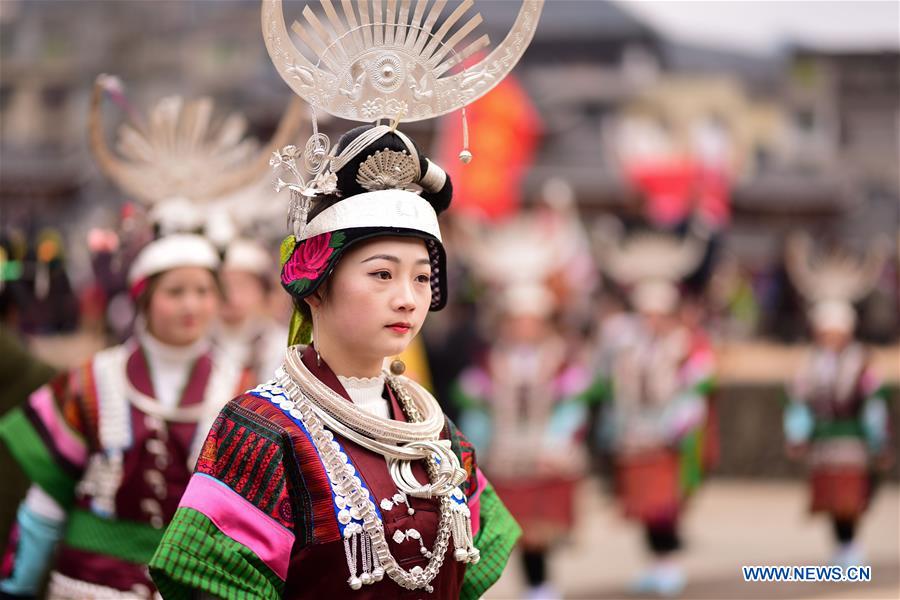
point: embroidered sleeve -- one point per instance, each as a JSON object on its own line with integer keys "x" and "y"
{"x": 469, "y": 394}
{"x": 50, "y": 434}
{"x": 698, "y": 371}
{"x": 875, "y": 416}
{"x": 798, "y": 423}
{"x": 466, "y": 453}
{"x": 495, "y": 538}
{"x": 232, "y": 534}
{"x": 494, "y": 528}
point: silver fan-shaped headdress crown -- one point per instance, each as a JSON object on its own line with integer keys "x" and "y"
{"x": 177, "y": 151}
{"x": 373, "y": 60}
{"x": 391, "y": 59}
{"x": 647, "y": 255}
{"x": 836, "y": 275}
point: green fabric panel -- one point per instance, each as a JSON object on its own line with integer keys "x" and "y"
{"x": 464, "y": 401}
{"x": 705, "y": 386}
{"x": 34, "y": 457}
{"x": 842, "y": 428}
{"x": 129, "y": 540}
{"x": 690, "y": 462}
{"x": 496, "y": 538}
{"x": 195, "y": 555}
{"x": 600, "y": 391}
{"x": 881, "y": 392}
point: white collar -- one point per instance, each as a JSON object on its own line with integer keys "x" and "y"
{"x": 166, "y": 353}
{"x": 366, "y": 392}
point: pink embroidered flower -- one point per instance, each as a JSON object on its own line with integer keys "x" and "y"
{"x": 308, "y": 260}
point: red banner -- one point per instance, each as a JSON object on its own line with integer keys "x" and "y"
{"x": 504, "y": 129}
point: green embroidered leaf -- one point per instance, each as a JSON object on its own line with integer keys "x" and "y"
{"x": 287, "y": 248}
{"x": 337, "y": 239}
{"x": 298, "y": 286}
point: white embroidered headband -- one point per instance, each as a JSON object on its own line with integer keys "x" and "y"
{"x": 383, "y": 208}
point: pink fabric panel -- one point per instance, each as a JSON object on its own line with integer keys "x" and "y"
{"x": 698, "y": 367}
{"x": 241, "y": 521}
{"x": 475, "y": 501}
{"x": 67, "y": 442}
{"x": 572, "y": 381}
{"x": 869, "y": 382}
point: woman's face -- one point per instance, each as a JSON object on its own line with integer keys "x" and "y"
{"x": 377, "y": 298}
{"x": 524, "y": 328}
{"x": 182, "y": 305}
{"x": 833, "y": 339}
{"x": 245, "y": 296}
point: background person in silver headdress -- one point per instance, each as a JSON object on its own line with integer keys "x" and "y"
{"x": 657, "y": 375}
{"x": 110, "y": 446}
{"x": 837, "y": 416}
{"x": 524, "y": 402}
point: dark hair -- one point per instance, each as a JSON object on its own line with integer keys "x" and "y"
{"x": 142, "y": 302}
{"x": 301, "y": 305}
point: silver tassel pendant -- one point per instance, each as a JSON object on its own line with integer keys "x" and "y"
{"x": 361, "y": 556}
{"x": 461, "y": 532}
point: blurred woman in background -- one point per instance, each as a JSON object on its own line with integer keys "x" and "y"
{"x": 109, "y": 447}
{"x": 524, "y": 408}
{"x": 245, "y": 329}
{"x": 837, "y": 415}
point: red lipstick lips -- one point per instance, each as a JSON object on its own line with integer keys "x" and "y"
{"x": 400, "y": 327}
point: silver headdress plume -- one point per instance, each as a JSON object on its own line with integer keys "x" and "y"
{"x": 836, "y": 275}
{"x": 176, "y": 152}
{"x": 646, "y": 256}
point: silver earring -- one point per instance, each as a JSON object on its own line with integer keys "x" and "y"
{"x": 316, "y": 326}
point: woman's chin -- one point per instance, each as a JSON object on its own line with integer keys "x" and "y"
{"x": 394, "y": 347}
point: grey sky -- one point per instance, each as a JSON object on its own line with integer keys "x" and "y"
{"x": 763, "y": 25}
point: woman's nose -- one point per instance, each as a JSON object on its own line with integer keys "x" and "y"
{"x": 405, "y": 298}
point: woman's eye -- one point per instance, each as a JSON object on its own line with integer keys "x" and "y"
{"x": 385, "y": 275}
{"x": 424, "y": 278}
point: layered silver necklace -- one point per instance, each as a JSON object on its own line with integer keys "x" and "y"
{"x": 324, "y": 412}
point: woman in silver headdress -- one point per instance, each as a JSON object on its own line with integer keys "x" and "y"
{"x": 110, "y": 446}
{"x": 340, "y": 478}
{"x": 657, "y": 374}
{"x": 837, "y": 415}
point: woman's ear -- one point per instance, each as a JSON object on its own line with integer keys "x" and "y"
{"x": 314, "y": 300}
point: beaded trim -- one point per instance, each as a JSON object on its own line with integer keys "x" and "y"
{"x": 346, "y": 515}
{"x": 103, "y": 475}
